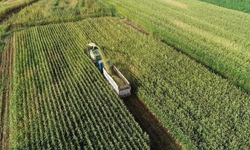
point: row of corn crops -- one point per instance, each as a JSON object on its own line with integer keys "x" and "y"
{"x": 201, "y": 109}
{"x": 61, "y": 101}
{"x": 216, "y": 37}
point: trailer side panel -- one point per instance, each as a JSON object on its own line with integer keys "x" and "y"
{"x": 111, "y": 81}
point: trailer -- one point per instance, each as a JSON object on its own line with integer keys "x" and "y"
{"x": 115, "y": 78}
{"x": 124, "y": 89}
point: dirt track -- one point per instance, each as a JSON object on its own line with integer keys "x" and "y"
{"x": 159, "y": 136}
{"x": 6, "y": 63}
{"x": 15, "y": 10}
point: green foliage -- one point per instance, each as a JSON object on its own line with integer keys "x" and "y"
{"x": 3, "y": 32}
{"x": 193, "y": 103}
{"x": 56, "y": 11}
{"x": 202, "y": 110}
{"x": 60, "y": 100}
{"x": 6, "y": 7}
{"x": 240, "y": 5}
{"x": 217, "y": 38}
{"x": 82, "y": 3}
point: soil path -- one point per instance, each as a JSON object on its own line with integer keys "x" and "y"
{"x": 6, "y": 63}
{"x": 159, "y": 136}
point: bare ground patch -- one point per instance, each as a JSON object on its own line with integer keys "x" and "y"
{"x": 175, "y": 3}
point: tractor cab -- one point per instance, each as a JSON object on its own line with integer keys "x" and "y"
{"x": 93, "y": 52}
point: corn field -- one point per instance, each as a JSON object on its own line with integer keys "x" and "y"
{"x": 60, "y": 100}
{"x": 191, "y": 68}
{"x": 201, "y": 109}
{"x": 59, "y": 94}
{"x": 216, "y": 37}
{"x": 57, "y": 11}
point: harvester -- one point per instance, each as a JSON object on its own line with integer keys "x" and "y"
{"x": 115, "y": 78}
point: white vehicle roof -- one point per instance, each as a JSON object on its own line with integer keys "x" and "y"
{"x": 92, "y": 44}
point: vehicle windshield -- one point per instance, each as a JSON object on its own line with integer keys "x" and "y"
{"x": 96, "y": 52}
